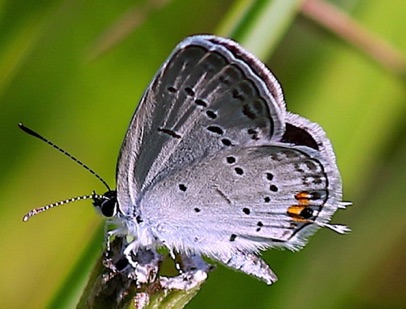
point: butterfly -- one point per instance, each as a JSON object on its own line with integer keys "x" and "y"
{"x": 214, "y": 165}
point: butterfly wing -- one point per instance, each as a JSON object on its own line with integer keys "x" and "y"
{"x": 264, "y": 196}
{"x": 209, "y": 90}
{"x": 247, "y": 198}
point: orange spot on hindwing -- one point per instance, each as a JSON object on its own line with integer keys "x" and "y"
{"x": 302, "y": 212}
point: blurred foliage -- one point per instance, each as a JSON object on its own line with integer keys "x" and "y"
{"x": 75, "y": 70}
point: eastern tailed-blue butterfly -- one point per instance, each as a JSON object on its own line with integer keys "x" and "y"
{"x": 213, "y": 164}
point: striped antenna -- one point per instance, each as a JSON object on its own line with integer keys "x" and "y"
{"x": 37, "y": 211}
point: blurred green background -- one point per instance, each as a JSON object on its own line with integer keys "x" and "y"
{"x": 75, "y": 70}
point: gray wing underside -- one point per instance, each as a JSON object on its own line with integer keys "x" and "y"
{"x": 212, "y": 163}
{"x": 208, "y": 90}
{"x": 245, "y": 207}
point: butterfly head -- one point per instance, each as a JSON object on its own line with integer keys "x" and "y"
{"x": 106, "y": 203}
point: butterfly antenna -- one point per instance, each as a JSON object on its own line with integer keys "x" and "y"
{"x": 35, "y": 134}
{"x": 37, "y": 211}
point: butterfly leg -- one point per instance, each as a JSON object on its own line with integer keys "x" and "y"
{"x": 145, "y": 263}
{"x": 248, "y": 263}
{"x": 193, "y": 269}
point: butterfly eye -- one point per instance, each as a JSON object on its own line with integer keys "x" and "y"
{"x": 107, "y": 203}
{"x": 109, "y": 208}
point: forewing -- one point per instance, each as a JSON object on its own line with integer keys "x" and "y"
{"x": 208, "y": 96}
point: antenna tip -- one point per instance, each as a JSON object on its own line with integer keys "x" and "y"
{"x": 30, "y": 214}
{"x": 29, "y": 131}
{"x": 22, "y": 126}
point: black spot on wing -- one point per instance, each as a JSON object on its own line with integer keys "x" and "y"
{"x": 169, "y": 132}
